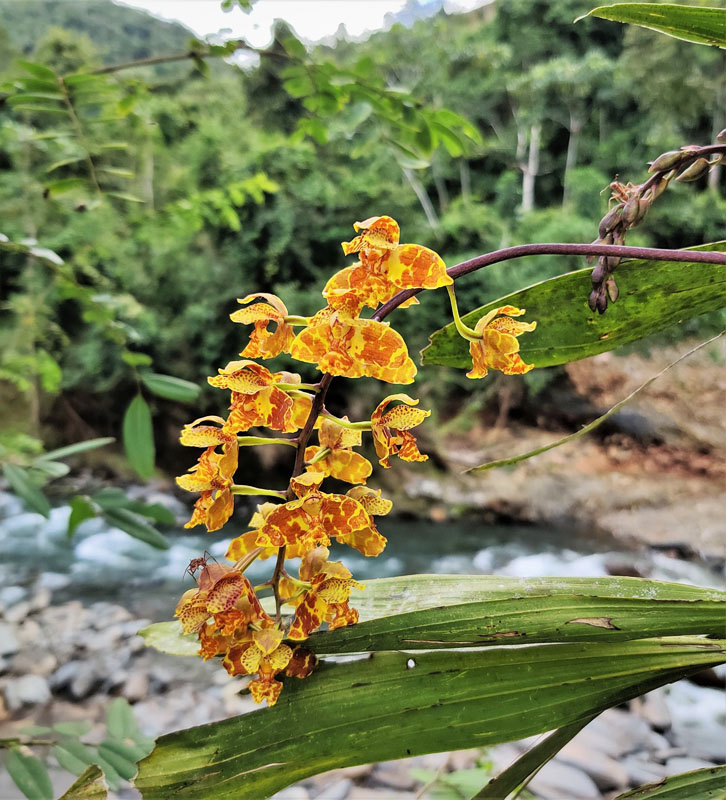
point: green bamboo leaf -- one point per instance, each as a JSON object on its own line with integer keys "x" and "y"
{"x": 136, "y": 525}
{"x": 124, "y": 767}
{"x": 138, "y": 437}
{"x": 691, "y": 23}
{"x": 73, "y": 728}
{"x": 129, "y": 198}
{"x": 64, "y": 185}
{"x": 653, "y": 295}
{"x": 117, "y": 172}
{"x": 39, "y": 71}
{"x": 21, "y": 483}
{"x": 77, "y": 447}
{"x": 170, "y": 387}
{"x": 442, "y": 611}
{"x": 35, "y": 108}
{"x": 120, "y": 720}
{"x": 64, "y": 162}
{"x": 392, "y": 705}
{"x": 508, "y": 462}
{"x": 529, "y": 764}
{"x": 33, "y": 97}
{"x": 81, "y": 510}
{"x": 91, "y": 785}
{"x": 699, "y": 784}
{"x": 51, "y": 469}
{"x": 68, "y": 760}
{"x": 29, "y": 774}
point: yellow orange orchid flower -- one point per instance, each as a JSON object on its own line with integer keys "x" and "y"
{"x": 316, "y": 517}
{"x": 220, "y": 609}
{"x": 327, "y": 599}
{"x": 391, "y": 429}
{"x": 385, "y": 268}
{"x": 247, "y": 542}
{"x": 498, "y": 347}
{"x": 340, "y": 461}
{"x": 265, "y": 654}
{"x": 212, "y": 476}
{"x": 371, "y": 500}
{"x": 264, "y": 343}
{"x": 341, "y": 345}
{"x": 257, "y": 400}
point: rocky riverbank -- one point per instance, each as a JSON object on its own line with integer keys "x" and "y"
{"x": 652, "y": 475}
{"x": 64, "y": 662}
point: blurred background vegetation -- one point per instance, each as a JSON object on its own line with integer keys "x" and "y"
{"x": 212, "y": 180}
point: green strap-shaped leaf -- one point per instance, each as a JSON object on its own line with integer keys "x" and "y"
{"x": 529, "y": 764}
{"x": 653, "y": 295}
{"x": 424, "y": 612}
{"x": 78, "y": 447}
{"x": 138, "y": 437}
{"x": 91, "y": 785}
{"x": 21, "y": 483}
{"x": 701, "y": 784}
{"x": 170, "y": 387}
{"x": 137, "y": 526}
{"x": 393, "y": 705}
{"x": 29, "y": 774}
{"x": 508, "y": 462}
{"x": 694, "y": 24}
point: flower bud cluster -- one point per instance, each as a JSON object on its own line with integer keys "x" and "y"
{"x": 632, "y": 202}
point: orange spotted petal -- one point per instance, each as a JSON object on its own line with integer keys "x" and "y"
{"x": 371, "y": 500}
{"x": 412, "y": 266}
{"x": 344, "y": 465}
{"x": 375, "y": 233}
{"x": 227, "y": 591}
{"x": 367, "y": 541}
{"x": 301, "y": 664}
{"x": 244, "y": 377}
{"x": 265, "y": 688}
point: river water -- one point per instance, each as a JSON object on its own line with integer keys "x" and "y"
{"x": 102, "y": 563}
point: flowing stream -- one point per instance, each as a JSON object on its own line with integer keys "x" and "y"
{"x": 103, "y": 563}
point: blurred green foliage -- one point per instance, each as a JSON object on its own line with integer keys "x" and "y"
{"x": 250, "y": 178}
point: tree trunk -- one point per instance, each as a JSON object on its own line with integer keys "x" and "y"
{"x": 531, "y": 168}
{"x": 571, "y": 161}
{"x": 423, "y": 198}
{"x": 465, "y": 178}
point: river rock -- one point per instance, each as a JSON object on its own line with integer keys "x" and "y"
{"x": 34, "y": 663}
{"x": 394, "y": 774}
{"x": 27, "y": 690}
{"x": 10, "y": 595}
{"x": 136, "y": 686}
{"x": 653, "y": 708}
{"x": 338, "y": 790}
{"x": 604, "y": 770}
{"x": 685, "y": 764}
{"x": 9, "y": 644}
{"x": 557, "y": 781}
{"x": 18, "y": 612}
{"x": 292, "y": 793}
{"x": 641, "y": 771}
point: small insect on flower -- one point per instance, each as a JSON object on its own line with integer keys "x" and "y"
{"x": 198, "y": 563}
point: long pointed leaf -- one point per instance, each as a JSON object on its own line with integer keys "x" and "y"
{"x": 91, "y": 785}
{"x": 529, "y": 764}
{"x": 694, "y": 24}
{"x": 426, "y": 612}
{"x": 393, "y": 705}
{"x": 699, "y": 784}
{"x": 508, "y": 462}
{"x": 138, "y": 437}
{"x": 653, "y": 295}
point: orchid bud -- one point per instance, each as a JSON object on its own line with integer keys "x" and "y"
{"x": 697, "y": 170}
{"x": 667, "y": 161}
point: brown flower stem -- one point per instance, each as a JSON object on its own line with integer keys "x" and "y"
{"x": 508, "y": 253}
{"x": 299, "y": 466}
